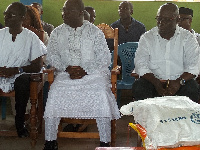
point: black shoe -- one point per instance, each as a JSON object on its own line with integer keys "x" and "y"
{"x": 23, "y": 133}
{"x": 51, "y": 145}
{"x": 69, "y": 128}
{"x": 81, "y": 128}
{"x": 103, "y": 144}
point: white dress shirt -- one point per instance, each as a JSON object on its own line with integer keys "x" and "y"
{"x": 26, "y": 48}
{"x": 167, "y": 59}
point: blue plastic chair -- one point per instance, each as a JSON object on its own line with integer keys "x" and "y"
{"x": 126, "y": 52}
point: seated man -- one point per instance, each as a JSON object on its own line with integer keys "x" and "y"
{"x": 130, "y": 29}
{"x": 21, "y": 52}
{"x": 186, "y": 15}
{"x": 81, "y": 89}
{"x": 165, "y": 53}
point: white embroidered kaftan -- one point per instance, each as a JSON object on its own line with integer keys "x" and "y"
{"x": 91, "y": 96}
{"x": 26, "y": 48}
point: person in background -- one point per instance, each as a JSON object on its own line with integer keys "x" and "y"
{"x": 32, "y": 20}
{"x": 130, "y": 29}
{"x": 86, "y": 15}
{"x": 21, "y": 53}
{"x": 92, "y": 13}
{"x": 185, "y": 21}
{"x": 81, "y": 89}
{"x": 46, "y": 26}
{"x": 167, "y": 59}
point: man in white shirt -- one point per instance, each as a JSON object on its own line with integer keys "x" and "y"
{"x": 21, "y": 52}
{"x": 185, "y": 21}
{"x": 170, "y": 53}
{"x": 81, "y": 89}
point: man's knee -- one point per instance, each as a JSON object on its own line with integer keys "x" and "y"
{"x": 22, "y": 83}
{"x": 191, "y": 90}
{"x": 142, "y": 89}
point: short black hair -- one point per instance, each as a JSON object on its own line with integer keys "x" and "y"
{"x": 187, "y": 11}
{"x": 87, "y": 8}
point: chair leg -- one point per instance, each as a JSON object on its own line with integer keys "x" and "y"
{"x": 118, "y": 97}
{"x": 113, "y": 133}
{"x": 3, "y": 106}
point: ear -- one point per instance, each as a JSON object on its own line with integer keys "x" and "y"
{"x": 23, "y": 18}
{"x": 190, "y": 20}
{"x": 81, "y": 14}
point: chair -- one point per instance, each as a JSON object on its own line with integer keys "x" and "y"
{"x": 80, "y": 134}
{"x": 126, "y": 52}
{"x": 111, "y": 33}
{"x": 36, "y": 112}
{"x": 36, "y": 99}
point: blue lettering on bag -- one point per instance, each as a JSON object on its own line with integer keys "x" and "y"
{"x": 195, "y": 117}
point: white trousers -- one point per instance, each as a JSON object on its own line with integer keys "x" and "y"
{"x": 103, "y": 124}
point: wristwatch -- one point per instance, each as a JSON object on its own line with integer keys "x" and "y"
{"x": 20, "y": 69}
{"x": 182, "y": 81}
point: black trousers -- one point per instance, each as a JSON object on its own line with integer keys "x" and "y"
{"x": 22, "y": 93}
{"x": 143, "y": 89}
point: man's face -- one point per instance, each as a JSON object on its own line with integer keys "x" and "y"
{"x": 38, "y": 8}
{"x": 124, "y": 10}
{"x": 12, "y": 17}
{"x": 92, "y": 15}
{"x": 70, "y": 14}
{"x": 185, "y": 21}
{"x": 166, "y": 21}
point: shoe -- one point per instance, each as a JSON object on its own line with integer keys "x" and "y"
{"x": 23, "y": 133}
{"x": 51, "y": 145}
{"x": 103, "y": 144}
{"x": 69, "y": 128}
{"x": 81, "y": 128}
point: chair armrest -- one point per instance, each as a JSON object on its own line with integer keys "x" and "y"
{"x": 116, "y": 70}
{"x": 50, "y": 73}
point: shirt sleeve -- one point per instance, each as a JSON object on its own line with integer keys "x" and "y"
{"x": 191, "y": 55}
{"x": 37, "y": 48}
{"x": 142, "y": 57}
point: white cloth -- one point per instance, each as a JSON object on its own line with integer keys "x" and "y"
{"x": 91, "y": 96}
{"x": 169, "y": 121}
{"x": 167, "y": 59}
{"x": 197, "y": 35}
{"x": 103, "y": 124}
{"x": 26, "y": 48}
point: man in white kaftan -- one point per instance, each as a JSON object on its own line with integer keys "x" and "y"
{"x": 89, "y": 96}
{"x": 167, "y": 52}
{"x": 21, "y": 52}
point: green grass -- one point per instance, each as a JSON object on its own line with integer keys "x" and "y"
{"x": 107, "y": 11}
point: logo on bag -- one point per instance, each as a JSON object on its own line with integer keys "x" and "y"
{"x": 195, "y": 117}
{"x": 173, "y": 119}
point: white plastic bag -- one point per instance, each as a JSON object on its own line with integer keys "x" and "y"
{"x": 170, "y": 121}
